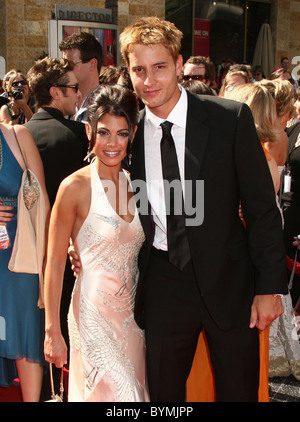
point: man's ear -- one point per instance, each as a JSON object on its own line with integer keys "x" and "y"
{"x": 54, "y": 92}
{"x": 93, "y": 63}
{"x": 179, "y": 64}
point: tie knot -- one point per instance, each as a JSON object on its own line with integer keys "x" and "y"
{"x": 166, "y": 128}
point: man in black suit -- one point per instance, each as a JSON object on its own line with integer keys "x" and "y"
{"x": 229, "y": 275}
{"x": 62, "y": 144}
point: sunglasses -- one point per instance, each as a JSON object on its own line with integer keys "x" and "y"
{"x": 75, "y": 86}
{"x": 194, "y": 77}
{"x": 17, "y": 83}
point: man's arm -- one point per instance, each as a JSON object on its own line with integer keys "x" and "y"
{"x": 263, "y": 222}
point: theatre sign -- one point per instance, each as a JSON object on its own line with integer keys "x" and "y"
{"x": 81, "y": 13}
{"x": 70, "y": 19}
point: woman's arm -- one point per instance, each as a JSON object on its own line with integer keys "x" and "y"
{"x": 24, "y": 107}
{"x": 33, "y": 161}
{"x": 4, "y": 115}
{"x": 62, "y": 221}
{"x": 32, "y": 158}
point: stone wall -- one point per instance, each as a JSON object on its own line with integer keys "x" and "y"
{"x": 24, "y": 39}
{"x": 26, "y": 35}
{"x": 286, "y": 30}
{"x": 3, "y": 28}
{"x": 130, "y": 10}
{"x": 24, "y": 25}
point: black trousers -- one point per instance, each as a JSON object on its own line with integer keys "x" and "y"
{"x": 175, "y": 314}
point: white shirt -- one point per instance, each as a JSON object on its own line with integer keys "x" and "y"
{"x": 154, "y": 177}
{"x": 81, "y": 113}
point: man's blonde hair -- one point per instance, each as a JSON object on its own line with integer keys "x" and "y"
{"x": 151, "y": 31}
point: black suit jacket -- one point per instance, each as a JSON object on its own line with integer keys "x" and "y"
{"x": 232, "y": 263}
{"x": 62, "y": 144}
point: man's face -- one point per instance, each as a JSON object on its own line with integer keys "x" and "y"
{"x": 154, "y": 77}
{"x": 285, "y": 63}
{"x": 258, "y": 76}
{"x": 80, "y": 69}
{"x": 69, "y": 99}
{"x": 297, "y": 107}
{"x": 195, "y": 71}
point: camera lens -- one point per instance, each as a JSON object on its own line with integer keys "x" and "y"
{"x": 17, "y": 94}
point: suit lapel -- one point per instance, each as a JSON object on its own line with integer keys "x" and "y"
{"x": 138, "y": 173}
{"x": 196, "y": 137}
{"x": 137, "y": 168}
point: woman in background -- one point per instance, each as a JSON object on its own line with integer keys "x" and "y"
{"x": 21, "y": 351}
{"x": 21, "y": 107}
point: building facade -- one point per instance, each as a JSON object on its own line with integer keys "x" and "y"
{"x": 231, "y": 26}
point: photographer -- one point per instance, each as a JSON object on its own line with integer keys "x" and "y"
{"x": 20, "y": 108}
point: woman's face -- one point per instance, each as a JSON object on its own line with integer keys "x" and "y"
{"x": 20, "y": 82}
{"x": 111, "y": 140}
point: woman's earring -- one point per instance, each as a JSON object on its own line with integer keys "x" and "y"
{"x": 89, "y": 156}
{"x": 129, "y": 158}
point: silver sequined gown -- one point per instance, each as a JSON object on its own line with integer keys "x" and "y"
{"x": 107, "y": 350}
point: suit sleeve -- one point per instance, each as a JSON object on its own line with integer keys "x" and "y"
{"x": 260, "y": 210}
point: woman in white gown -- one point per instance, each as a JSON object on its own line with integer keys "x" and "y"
{"x": 95, "y": 207}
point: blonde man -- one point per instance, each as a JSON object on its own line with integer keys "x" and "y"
{"x": 224, "y": 277}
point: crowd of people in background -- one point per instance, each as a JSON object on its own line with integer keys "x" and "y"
{"x": 55, "y": 101}
{"x": 19, "y": 103}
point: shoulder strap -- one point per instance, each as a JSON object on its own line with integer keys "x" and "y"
{"x": 8, "y": 110}
{"x": 20, "y": 148}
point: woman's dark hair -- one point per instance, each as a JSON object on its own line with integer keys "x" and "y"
{"x": 117, "y": 101}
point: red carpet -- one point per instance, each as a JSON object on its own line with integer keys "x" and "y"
{"x": 13, "y": 392}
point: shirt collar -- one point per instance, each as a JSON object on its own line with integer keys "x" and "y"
{"x": 177, "y": 115}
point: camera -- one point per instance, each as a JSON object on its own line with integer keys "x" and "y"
{"x": 4, "y": 99}
{"x": 16, "y": 94}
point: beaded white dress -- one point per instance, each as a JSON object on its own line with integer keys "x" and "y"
{"x": 107, "y": 348}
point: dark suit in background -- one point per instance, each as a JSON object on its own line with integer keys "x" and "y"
{"x": 62, "y": 144}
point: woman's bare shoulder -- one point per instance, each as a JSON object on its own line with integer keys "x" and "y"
{"x": 77, "y": 181}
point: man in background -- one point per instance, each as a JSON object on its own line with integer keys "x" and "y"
{"x": 85, "y": 51}
{"x": 201, "y": 69}
{"x": 285, "y": 63}
{"x": 62, "y": 144}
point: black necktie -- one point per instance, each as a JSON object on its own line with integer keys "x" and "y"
{"x": 178, "y": 247}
